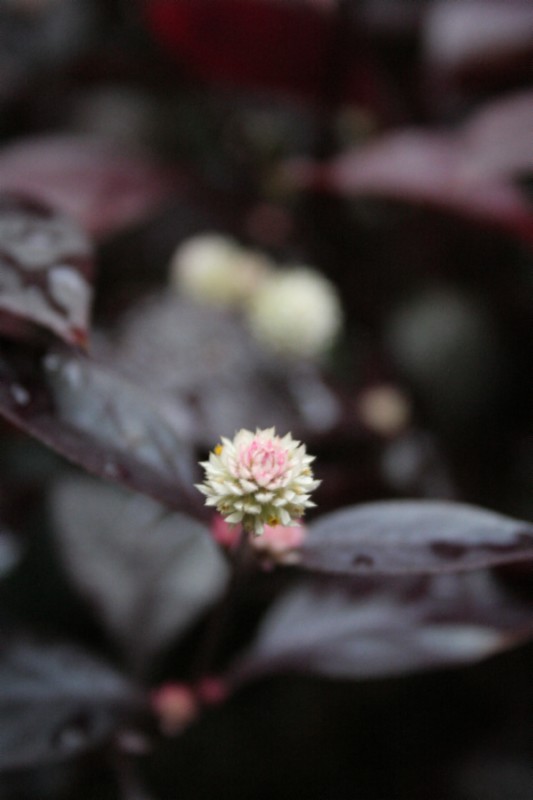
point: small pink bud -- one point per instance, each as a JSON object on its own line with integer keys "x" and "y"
{"x": 225, "y": 535}
{"x": 280, "y": 543}
{"x": 175, "y": 705}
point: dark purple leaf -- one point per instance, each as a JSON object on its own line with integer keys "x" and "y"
{"x": 372, "y": 629}
{"x": 469, "y": 38}
{"x": 258, "y": 43}
{"x": 149, "y": 573}
{"x": 414, "y": 536}
{"x": 100, "y": 185}
{"x": 45, "y": 270}
{"x": 99, "y": 420}
{"x": 203, "y": 358}
{"x": 498, "y": 137}
{"x": 467, "y": 172}
{"x": 55, "y": 702}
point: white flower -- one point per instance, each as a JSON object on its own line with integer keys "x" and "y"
{"x": 259, "y": 479}
{"x": 295, "y": 311}
{"x": 211, "y": 268}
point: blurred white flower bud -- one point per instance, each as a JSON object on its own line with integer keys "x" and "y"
{"x": 295, "y": 311}
{"x": 211, "y": 268}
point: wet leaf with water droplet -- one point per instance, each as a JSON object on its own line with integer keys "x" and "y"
{"x": 98, "y": 419}
{"x": 45, "y": 271}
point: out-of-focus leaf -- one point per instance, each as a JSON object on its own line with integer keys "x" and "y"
{"x": 414, "y": 536}
{"x": 203, "y": 358}
{"x": 99, "y": 420}
{"x": 45, "y": 270}
{"x": 472, "y": 38}
{"x": 149, "y": 573}
{"x": 55, "y": 702}
{"x": 373, "y": 628}
{"x": 467, "y": 172}
{"x": 100, "y": 185}
{"x": 113, "y": 411}
{"x": 272, "y": 45}
{"x": 498, "y": 136}
{"x": 281, "y": 45}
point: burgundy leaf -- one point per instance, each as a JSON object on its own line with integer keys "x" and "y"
{"x": 468, "y": 172}
{"x": 497, "y": 138}
{"x": 281, "y": 45}
{"x": 469, "y": 38}
{"x": 286, "y": 46}
{"x": 102, "y": 422}
{"x": 149, "y": 573}
{"x": 374, "y": 629}
{"x": 205, "y": 359}
{"x": 45, "y": 270}
{"x": 56, "y": 701}
{"x": 414, "y": 536}
{"x": 102, "y": 187}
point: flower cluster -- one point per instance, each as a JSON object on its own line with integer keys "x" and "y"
{"x": 293, "y": 311}
{"x": 259, "y": 479}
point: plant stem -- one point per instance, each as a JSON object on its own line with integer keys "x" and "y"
{"x": 218, "y": 623}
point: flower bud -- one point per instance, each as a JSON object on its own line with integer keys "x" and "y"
{"x": 214, "y": 269}
{"x": 295, "y": 312}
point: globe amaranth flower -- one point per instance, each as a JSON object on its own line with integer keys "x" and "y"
{"x": 259, "y": 479}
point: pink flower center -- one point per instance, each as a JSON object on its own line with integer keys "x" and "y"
{"x": 265, "y": 462}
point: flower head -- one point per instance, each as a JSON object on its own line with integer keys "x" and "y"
{"x": 259, "y": 479}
